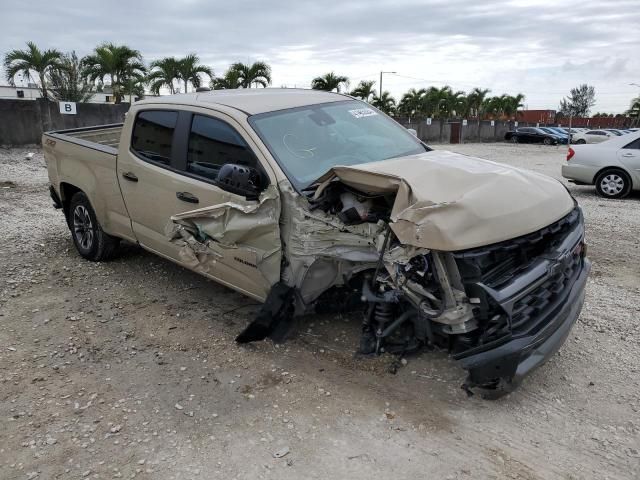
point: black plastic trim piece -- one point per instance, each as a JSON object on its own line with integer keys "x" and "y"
{"x": 57, "y": 203}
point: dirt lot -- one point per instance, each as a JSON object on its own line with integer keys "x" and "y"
{"x": 128, "y": 369}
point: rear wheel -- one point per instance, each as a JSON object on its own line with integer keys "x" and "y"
{"x": 89, "y": 238}
{"x": 613, "y": 184}
{"x": 581, "y": 141}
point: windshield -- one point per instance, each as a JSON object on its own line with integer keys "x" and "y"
{"x": 308, "y": 141}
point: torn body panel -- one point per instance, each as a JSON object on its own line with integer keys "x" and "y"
{"x": 320, "y": 250}
{"x": 243, "y": 235}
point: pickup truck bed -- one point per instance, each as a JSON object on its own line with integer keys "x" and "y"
{"x": 85, "y": 159}
{"x": 96, "y": 138}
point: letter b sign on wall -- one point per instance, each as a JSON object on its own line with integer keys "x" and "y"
{"x": 68, "y": 108}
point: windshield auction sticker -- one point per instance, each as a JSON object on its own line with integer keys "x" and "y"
{"x": 362, "y": 112}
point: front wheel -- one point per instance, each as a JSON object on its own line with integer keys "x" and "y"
{"x": 582, "y": 141}
{"x": 547, "y": 141}
{"x": 613, "y": 184}
{"x": 514, "y": 139}
{"x": 90, "y": 240}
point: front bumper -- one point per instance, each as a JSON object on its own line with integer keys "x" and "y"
{"x": 502, "y": 369}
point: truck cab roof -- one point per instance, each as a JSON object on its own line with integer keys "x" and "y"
{"x": 252, "y": 100}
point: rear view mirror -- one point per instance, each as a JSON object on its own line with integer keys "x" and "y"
{"x": 412, "y": 132}
{"x": 240, "y": 179}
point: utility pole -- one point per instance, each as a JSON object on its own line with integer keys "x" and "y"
{"x": 381, "y": 72}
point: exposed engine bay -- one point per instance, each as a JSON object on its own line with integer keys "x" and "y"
{"x": 411, "y": 302}
{"x": 411, "y": 297}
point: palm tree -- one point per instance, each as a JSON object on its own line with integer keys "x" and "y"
{"x": 492, "y": 106}
{"x": 476, "y": 100}
{"x": 132, "y": 88}
{"x": 67, "y": 82}
{"x": 364, "y": 90}
{"x": 634, "y": 110}
{"x": 511, "y": 104}
{"x": 458, "y": 104}
{"x": 412, "y": 102}
{"x": 31, "y": 60}
{"x": 120, "y": 63}
{"x": 431, "y": 101}
{"x": 258, "y": 73}
{"x": 230, "y": 80}
{"x": 330, "y": 82}
{"x": 163, "y": 73}
{"x": 189, "y": 70}
{"x": 386, "y": 103}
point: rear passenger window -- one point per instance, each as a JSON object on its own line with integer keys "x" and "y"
{"x": 633, "y": 145}
{"x": 152, "y": 136}
{"x": 213, "y": 143}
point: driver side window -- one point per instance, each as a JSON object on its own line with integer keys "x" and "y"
{"x": 212, "y": 144}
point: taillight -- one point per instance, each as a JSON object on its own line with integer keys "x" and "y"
{"x": 570, "y": 154}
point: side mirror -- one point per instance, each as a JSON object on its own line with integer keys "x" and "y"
{"x": 240, "y": 179}
{"x": 413, "y": 132}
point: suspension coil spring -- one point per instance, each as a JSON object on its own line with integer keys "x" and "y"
{"x": 383, "y": 314}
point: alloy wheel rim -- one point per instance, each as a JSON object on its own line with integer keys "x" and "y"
{"x": 612, "y": 184}
{"x": 83, "y": 227}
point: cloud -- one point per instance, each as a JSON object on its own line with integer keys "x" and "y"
{"x": 539, "y": 48}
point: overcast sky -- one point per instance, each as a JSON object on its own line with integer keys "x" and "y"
{"x": 539, "y": 48}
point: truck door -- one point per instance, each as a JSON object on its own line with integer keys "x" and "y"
{"x": 169, "y": 170}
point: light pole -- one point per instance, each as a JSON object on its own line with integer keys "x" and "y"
{"x": 380, "y": 95}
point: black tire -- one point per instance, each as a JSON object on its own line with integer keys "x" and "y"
{"x": 514, "y": 139}
{"x": 90, "y": 240}
{"x": 613, "y": 183}
{"x": 581, "y": 141}
{"x": 547, "y": 141}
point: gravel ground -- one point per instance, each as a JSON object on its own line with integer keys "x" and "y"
{"x": 128, "y": 369}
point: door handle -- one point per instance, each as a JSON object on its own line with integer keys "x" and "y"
{"x": 130, "y": 176}
{"x": 187, "y": 197}
{"x": 628, "y": 155}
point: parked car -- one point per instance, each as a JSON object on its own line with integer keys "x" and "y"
{"x": 613, "y": 166}
{"x": 563, "y": 136}
{"x": 531, "y": 135}
{"x": 615, "y": 131}
{"x": 592, "y": 136}
{"x": 314, "y": 201}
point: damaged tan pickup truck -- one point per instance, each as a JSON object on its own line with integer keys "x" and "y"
{"x": 313, "y": 201}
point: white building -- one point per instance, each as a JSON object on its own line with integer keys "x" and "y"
{"x": 32, "y": 92}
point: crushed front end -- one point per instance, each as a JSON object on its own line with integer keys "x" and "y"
{"x": 501, "y": 310}
{"x": 530, "y": 291}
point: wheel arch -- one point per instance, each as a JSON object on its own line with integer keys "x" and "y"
{"x": 67, "y": 191}
{"x": 614, "y": 168}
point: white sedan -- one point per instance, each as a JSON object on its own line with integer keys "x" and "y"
{"x": 613, "y": 166}
{"x": 592, "y": 136}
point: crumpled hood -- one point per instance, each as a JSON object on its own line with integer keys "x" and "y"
{"x": 447, "y": 201}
